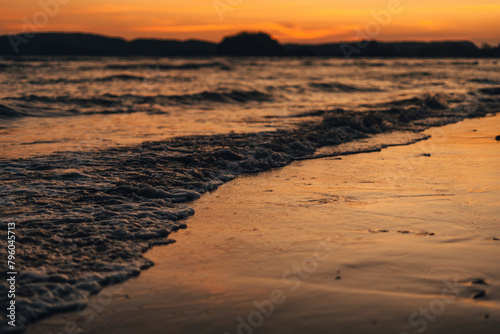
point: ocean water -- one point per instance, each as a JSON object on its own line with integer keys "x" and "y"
{"x": 100, "y": 157}
{"x": 59, "y": 104}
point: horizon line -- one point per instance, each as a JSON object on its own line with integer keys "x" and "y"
{"x": 250, "y": 31}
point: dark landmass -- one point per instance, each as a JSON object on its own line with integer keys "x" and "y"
{"x": 75, "y": 44}
{"x": 250, "y": 44}
{"x": 242, "y": 44}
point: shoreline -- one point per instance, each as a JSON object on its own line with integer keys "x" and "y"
{"x": 91, "y": 203}
{"x": 385, "y": 266}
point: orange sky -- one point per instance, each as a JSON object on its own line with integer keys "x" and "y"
{"x": 304, "y": 21}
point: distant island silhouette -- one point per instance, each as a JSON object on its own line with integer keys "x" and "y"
{"x": 241, "y": 44}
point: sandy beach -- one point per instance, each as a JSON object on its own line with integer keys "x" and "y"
{"x": 404, "y": 240}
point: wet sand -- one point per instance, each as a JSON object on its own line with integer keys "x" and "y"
{"x": 402, "y": 240}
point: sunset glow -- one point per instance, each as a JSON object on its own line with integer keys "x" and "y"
{"x": 289, "y": 21}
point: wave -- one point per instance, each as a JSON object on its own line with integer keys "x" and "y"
{"x": 490, "y": 91}
{"x": 340, "y": 87}
{"x": 7, "y": 112}
{"x": 49, "y": 106}
{"x": 485, "y": 81}
{"x": 297, "y": 89}
{"x": 406, "y": 108}
{"x": 89, "y": 223}
{"x": 369, "y": 64}
{"x": 119, "y": 77}
{"x": 65, "y": 99}
{"x": 436, "y": 101}
{"x": 459, "y": 63}
{"x": 110, "y": 78}
{"x": 239, "y": 96}
{"x": 107, "y": 99}
{"x": 413, "y": 75}
{"x": 185, "y": 66}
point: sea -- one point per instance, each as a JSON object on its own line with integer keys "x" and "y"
{"x": 100, "y": 157}
{"x": 66, "y": 104}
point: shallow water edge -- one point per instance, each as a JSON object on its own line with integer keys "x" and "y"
{"x": 87, "y": 217}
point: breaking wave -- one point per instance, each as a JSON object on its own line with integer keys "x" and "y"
{"x": 48, "y": 106}
{"x": 86, "y": 218}
{"x": 340, "y": 87}
{"x": 185, "y": 66}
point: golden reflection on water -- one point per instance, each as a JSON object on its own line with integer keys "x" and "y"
{"x": 40, "y": 136}
{"x": 400, "y": 225}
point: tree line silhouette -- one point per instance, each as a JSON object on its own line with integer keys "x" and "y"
{"x": 241, "y": 44}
